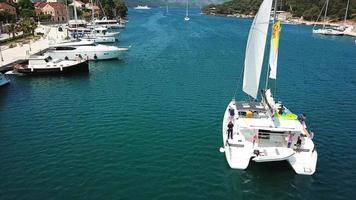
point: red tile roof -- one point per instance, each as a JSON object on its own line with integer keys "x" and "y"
{"x": 57, "y": 5}
{"x": 39, "y": 4}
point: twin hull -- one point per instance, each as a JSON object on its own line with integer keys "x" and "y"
{"x": 239, "y": 152}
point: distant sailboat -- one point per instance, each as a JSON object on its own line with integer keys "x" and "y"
{"x": 265, "y": 131}
{"x": 167, "y": 10}
{"x": 186, "y": 18}
{"x": 326, "y": 30}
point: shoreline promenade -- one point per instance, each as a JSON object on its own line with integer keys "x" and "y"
{"x": 23, "y": 51}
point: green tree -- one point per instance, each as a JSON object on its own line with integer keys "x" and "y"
{"x": 26, "y": 9}
{"x": 120, "y": 8}
{"x": 13, "y": 29}
{"x": 312, "y": 13}
{"x": 108, "y": 11}
{"x": 6, "y": 16}
{"x": 28, "y": 26}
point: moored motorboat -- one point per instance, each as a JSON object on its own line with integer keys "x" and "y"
{"x": 46, "y": 65}
{"x": 86, "y": 49}
{"x": 3, "y": 80}
{"x": 140, "y": 7}
{"x": 108, "y": 23}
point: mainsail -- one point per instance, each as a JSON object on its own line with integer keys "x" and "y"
{"x": 255, "y": 49}
{"x": 273, "y": 56}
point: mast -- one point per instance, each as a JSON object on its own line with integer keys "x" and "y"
{"x": 347, "y": 9}
{"x": 186, "y": 10}
{"x": 92, "y": 17}
{"x": 166, "y": 6}
{"x": 92, "y": 11}
{"x": 270, "y": 48}
{"x": 326, "y": 11}
{"x": 75, "y": 19}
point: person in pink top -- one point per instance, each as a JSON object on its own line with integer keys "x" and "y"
{"x": 254, "y": 138}
{"x": 290, "y": 139}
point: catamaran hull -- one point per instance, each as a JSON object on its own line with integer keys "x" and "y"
{"x": 237, "y": 155}
{"x": 304, "y": 163}
{"x": 240, "y": 151}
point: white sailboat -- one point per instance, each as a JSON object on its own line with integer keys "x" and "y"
{"x": 167, "y": 9}
{"x": 186, "y": 18}
{"x": 264, "y": 131}
{"x": 327, "y": 30}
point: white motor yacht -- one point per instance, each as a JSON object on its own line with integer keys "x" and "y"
{"x": 101, "y": 35}
{"x": 140, "y": 7}
{"x": 108, "y": 23}
{"x": 265, "y": 131}
{"x": 3, "y": 80}
{"x": 86, "y": 49}
{"x": 46, "y": 65}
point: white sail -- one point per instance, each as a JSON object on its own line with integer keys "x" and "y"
{"x": 255, "y": 49}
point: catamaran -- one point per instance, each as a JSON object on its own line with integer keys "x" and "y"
{"x": 265, "y": 131}
{"x": 186, "y": 18}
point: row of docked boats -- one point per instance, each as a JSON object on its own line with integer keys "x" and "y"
{"x": 85, "y": 41}
{"x": 68, "y": 56}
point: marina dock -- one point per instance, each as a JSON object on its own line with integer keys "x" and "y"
{"x": 10, "y": 56}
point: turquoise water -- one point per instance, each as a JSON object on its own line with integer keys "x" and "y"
{"x": 149, "y": 126}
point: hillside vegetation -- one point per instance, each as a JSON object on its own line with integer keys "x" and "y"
{"x": 308, "y": 9}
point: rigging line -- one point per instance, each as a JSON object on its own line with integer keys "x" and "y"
{"x": 239, "y": 81}
{"x": 319, "y": 14}
{"x": 102, "y": 9}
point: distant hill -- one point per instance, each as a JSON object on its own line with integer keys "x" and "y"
{"x": 308, "y": 9}
{"x": 154, "y": 3}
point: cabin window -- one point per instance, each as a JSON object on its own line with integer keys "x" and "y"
{"x": 64, "y": 48}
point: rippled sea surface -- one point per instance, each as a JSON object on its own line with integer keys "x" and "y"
{"x": 149, "y": 126}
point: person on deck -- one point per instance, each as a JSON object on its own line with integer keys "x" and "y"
{"x": 281, "y": 110}
{"x": 230, "y": 127}
{"x": 232, "y": 112}
{"x": 302, "y": 119}
{"x": 290, "y": 139}
{"x": 254, "y": 138}
{"x": 299, "y": 143}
